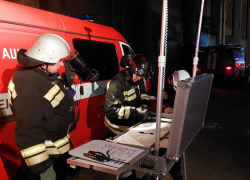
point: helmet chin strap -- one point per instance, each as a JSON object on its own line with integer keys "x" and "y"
{"x": 46, "y": 70}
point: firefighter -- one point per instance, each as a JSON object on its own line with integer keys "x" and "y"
{"x": 42, "y": 108}
{"x": 172, "y": 83}
{"x": 171, "y": 87}
{"x": 169, "y": 94}
{"x": 126, "y": 102}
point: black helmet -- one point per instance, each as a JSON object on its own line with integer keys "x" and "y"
{"x": 138, "y": 65}
{"x": 125, "y": 60}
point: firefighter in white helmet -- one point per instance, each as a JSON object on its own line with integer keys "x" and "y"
{"x": 172, "y": 79}
{"x": 171, "y": 86}
{"x": 42, "y": 108}
{"x": 172, "y": 83}
{"x": 179, "y": 76}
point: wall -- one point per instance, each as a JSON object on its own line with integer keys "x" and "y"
{"x": 101, "y": 9}
{"x": 139, "y": 21}
{"x": 31, "y": 3}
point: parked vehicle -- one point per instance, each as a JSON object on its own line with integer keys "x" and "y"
{"x": 101, "y": 46}
{"x": 227, "y": 61}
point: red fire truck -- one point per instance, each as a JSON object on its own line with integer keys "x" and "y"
{"x": 226, "y": 61}
{"x": 101, "y": 46}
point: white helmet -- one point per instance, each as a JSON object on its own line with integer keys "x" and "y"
{"x": 179, "y": 76}
{"x": 48, "y": 48}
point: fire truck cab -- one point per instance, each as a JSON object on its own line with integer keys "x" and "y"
{"x": 101, "y": 46}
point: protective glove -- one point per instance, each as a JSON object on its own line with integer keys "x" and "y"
{"x": 142, "y": 113}
{"x": 142, "y": 110}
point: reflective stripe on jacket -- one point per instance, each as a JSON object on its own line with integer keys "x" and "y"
{"x": 122, "y": 97}
{"x": 43, "y": 112}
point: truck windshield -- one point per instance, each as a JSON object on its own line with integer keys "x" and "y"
{"x": 127, "y": 50}
{"x": 101, "y": 56}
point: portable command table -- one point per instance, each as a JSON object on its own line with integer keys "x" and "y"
{"x": 132, "y": 149}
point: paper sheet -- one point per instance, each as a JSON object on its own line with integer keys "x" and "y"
{"x": 117, "y": 152}
{"x": 142, "y": 135}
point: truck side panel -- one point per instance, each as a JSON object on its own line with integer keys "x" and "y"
{"x": 13, "y": 37}
{"x": 28, "y": 15}
{"x": 19, "y": 27}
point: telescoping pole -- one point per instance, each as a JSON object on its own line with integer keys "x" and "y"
{"x": 161, "y": 72}
{"x": 196, "y": 59}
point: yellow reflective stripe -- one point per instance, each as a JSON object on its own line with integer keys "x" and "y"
{"x": 130, "y": 98}
{"x": 37, "y": 159}
{"x": 9, "y": 97}
{"x": 114, "y": 126}
{"x": 121, "y": 112}
{"x": 49, "y": 143}
{"x": 14, "y": 95}
{"x": 57, "y": 99}
{"x": 53, "y": 151}
{"x": 144, "y": 96}
{"x": 124, "y": 112}
{"x": 51, "y": 93}
{"x": 11, "y": 86}
{"x": 108, "y": 85}
{"x": 112, "y": 129}
{"x": 61, "y": 142}
{"x": 64, "y": 149}
{"x": 33, "y": 150}
{"x": 127, "y": 112}
{"x": 128, "y": 93}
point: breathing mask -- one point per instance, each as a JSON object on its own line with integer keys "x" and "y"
{"x": 138, "y": 65}
{"x": 74, "y": 63}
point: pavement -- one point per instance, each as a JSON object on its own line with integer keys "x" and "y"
{"x": 221, "y": 150}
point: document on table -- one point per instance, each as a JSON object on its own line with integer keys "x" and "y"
{"x": 143, "y": 135}
{"x": 118, "y": 153}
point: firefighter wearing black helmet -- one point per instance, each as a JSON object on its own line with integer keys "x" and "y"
{"x": 126, "y": 102}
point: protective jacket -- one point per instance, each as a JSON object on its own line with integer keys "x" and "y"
{"x": 122, "y": 97}
{"x": 43, "y": 112}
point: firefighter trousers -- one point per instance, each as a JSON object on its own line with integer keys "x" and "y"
{"x": 60, "y": 166}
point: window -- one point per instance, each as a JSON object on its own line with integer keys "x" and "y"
{"x": 100, "y": 56}
{"x": 127, "y": 50}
